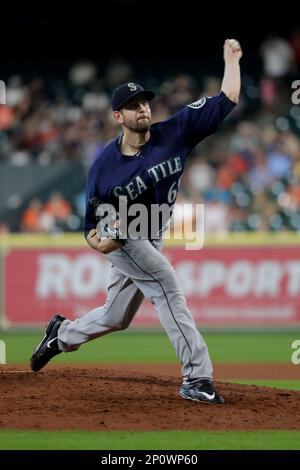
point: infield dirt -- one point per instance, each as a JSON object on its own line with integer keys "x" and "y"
{"x": 136, "y": 397}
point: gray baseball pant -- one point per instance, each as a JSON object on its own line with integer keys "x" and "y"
{"x": 140, "y": 270}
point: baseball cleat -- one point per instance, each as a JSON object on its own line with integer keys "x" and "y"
{"x": 48, "y": 347}
{"x": 202, "y": 390}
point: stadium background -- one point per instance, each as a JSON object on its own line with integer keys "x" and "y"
{"x": 59, "y": 68}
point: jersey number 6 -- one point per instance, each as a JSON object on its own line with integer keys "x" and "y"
{"x": 172, "y": 194}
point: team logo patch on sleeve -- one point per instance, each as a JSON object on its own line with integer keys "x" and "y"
{"x": 197, "y": 104}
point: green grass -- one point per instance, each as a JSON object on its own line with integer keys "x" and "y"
{"x": 286, "y": 384}
{"x": 167, "y": 440}
{"x": 155, "y": 347}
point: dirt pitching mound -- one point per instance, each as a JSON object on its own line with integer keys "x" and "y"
{"x": 104, "y": 400}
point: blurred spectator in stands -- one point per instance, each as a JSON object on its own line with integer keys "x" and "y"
{"x": 245, "y": 138}
{"x": 59, "y": 209}
{"x": 31, "y": 219}
{"x": 277, "y": 55}
{"x": 15, "y": 91}
{"x": 238, "y": 219}
{"x": 225, "y": 176}
{"x": 212, "y": 86}
{"x": 216, "y": 218}
{"x": 7, "y": 117}
{"x": 268, "y": 93}
{"x": 160, "y": 112}
{"x": 201, "y": 175}
{"x": 178, "y": 92}
{"x": 19, "y": 157}
{"x": 4, "y": 228}
{"x": 279, "y": 162}
{"x": 259, "y": 176}
{"x": 82, "y": 73}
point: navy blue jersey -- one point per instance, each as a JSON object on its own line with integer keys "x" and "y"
{"x": 152, "y": 176}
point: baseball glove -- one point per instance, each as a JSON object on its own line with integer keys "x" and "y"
{"x": 108, "y": 219}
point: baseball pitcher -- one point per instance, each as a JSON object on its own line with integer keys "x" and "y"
{"x": 144, "y": 166}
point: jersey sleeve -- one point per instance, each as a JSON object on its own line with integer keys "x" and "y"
{"x": 201, "y": 118}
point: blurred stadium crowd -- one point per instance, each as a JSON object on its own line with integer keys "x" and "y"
{"x": 247, "y": 174}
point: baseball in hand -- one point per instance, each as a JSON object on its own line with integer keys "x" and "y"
{"x": 234, "y": 44}
{"x": 232, "y": 48}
